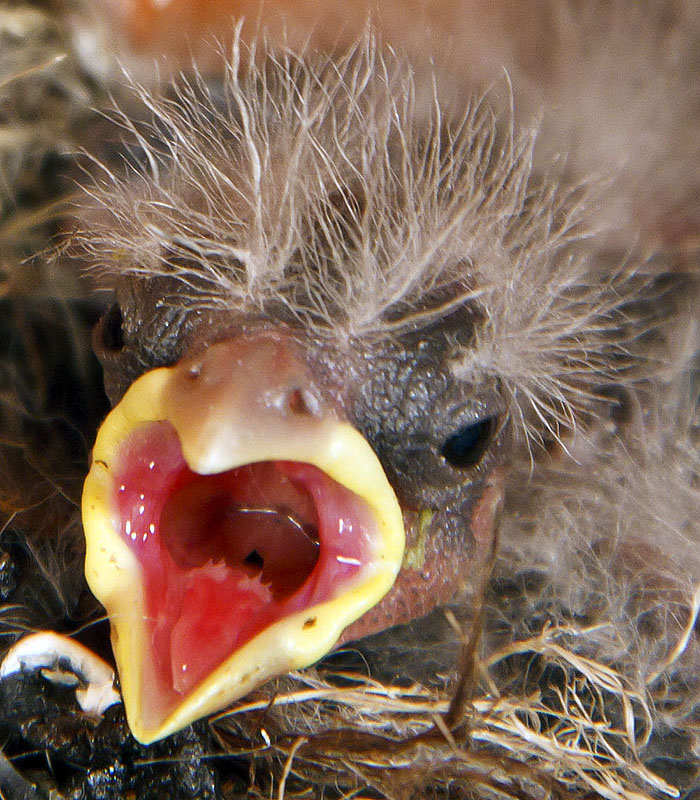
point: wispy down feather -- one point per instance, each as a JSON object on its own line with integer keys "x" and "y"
{"x": 332, "y": 195}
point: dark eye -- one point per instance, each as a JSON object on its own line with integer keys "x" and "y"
{"x": 112, "y": 332}
{"x": 467, "y": 447}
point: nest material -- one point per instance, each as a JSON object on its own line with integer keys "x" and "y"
{"x": 581, "y": 728}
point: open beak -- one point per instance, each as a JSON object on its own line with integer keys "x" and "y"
{"x": 234, "y": 530}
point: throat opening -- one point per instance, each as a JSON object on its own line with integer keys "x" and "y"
{"x": 253, "y": 519}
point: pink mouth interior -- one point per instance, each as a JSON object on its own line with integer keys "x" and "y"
{"x": 225, "y": 556}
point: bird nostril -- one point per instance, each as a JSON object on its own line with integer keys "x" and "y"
{"x": 301, "y": 403}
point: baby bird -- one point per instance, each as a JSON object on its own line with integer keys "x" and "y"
{"x": 380, "y": 375}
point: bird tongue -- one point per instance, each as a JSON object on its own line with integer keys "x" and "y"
{"x": 226, "y": 555}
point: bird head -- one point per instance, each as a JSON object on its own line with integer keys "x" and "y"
{"x": 334, "y": 312}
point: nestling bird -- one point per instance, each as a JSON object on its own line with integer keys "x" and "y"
{"x": 359, "y": 330}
